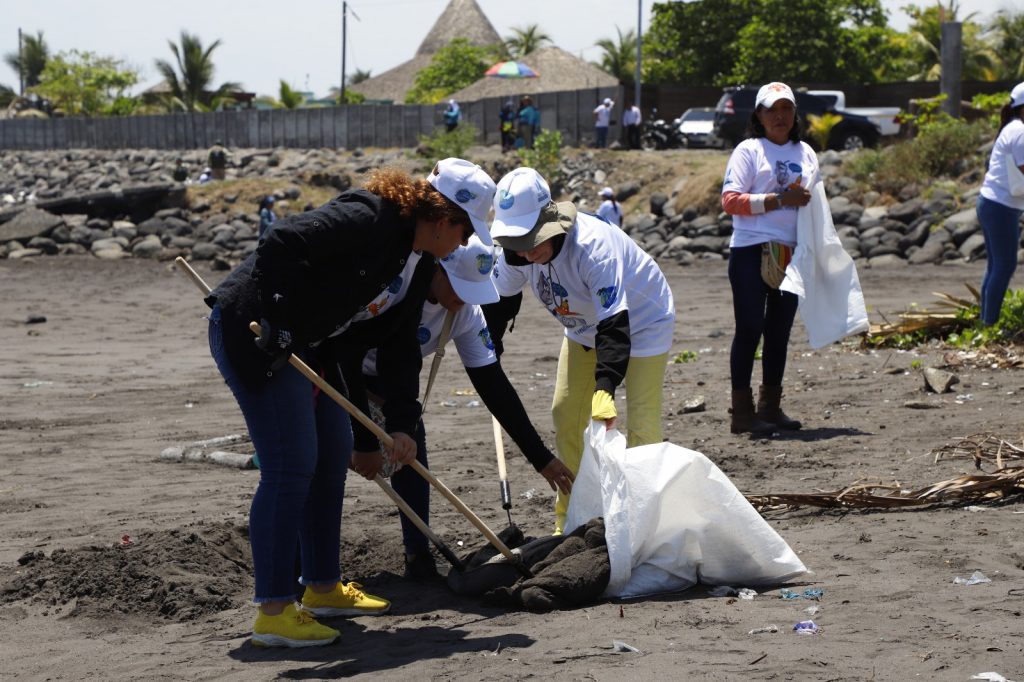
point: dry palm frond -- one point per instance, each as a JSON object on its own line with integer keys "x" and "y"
{"x": 945, "y": 319}
{"x": 982, "y": 448}
{"x": 998, "y": 485}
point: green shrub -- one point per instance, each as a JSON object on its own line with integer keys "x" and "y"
{"x": 965, "y": 330}
{"x": 442, "y": 144}
{"x": 991, "y": 105}
{"x": 941, "y": 145}
{"x": 545, "y": 157}
{"x": 820, "y": 127}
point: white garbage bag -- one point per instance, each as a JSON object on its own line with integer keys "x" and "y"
{"x": 672, "y": 519}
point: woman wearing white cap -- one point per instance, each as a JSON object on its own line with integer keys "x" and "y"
{"x": 611, "y": 297}
{"x": 461, "y": 284}
{"x": 1001, "y": 204}
{"x": 766, "y": 180}
{"x": 311, "y": 277}
{"x": 609, "y": 208}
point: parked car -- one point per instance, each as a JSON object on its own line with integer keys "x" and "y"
{"x": 697, "y": 128}
{"x": 737, "y": 103}
{"x": 886, "y": 118}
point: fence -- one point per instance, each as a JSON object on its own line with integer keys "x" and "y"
{"x": 349, "y": 126}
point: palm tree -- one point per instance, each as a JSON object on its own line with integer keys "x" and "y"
{"x": 523, "y": 41}
{"x": 191, "y": 83}
{"x": 619, "y": 59}
{"x": 979, "y": 62}
{"x": 32, "y": 60}
{"x": 290, "y": 98}
{"x": 1008, "y": 35}
{"x": 7, "y": 95}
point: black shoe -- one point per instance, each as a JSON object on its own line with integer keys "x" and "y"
{"x": 420, "y": 567}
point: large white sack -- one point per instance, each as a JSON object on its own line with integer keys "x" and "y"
{"x": 824, "y": 276}
{"x": 672, "y": 519}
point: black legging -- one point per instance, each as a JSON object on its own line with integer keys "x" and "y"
{"x": 759, "y": 311}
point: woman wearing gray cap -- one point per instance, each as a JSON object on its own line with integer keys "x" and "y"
{"x": 314, "y": 275}
{"x": 611, "y": 297}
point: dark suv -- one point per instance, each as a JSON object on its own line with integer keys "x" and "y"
{"x": 733, "y": 113}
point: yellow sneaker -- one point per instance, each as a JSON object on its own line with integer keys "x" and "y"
{"x": 344, "y": 600}
{"x": 291, "y": 628}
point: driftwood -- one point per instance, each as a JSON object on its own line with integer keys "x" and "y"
{"x": 995, "y": 486}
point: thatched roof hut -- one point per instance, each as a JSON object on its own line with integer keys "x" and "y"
{"x": 460, "y": 19}
{"x": 558, "y": 70}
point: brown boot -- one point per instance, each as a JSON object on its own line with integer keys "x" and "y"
{"x": 743, "y": 418}
{"x": 768, "y": 409}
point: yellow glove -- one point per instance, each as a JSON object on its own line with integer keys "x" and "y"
{"x": 603, "y": 406}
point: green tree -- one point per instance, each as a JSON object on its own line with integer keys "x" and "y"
{"x": 691, "y": 43}
{"x": 1007, "y": 35}
{"x": 7, "y": 95}
{"x": 289, "y": 98}
{"x": 32, "y": 60}
{"x": 619, "y": 58}
{"x": 191, "y": 83}
{"x": 525, "y": 40}
{"x": 358, "y": 76}
{"x": 979, "y": 62}
{"x": 808, "y": 40}
{"x": 84, "y": 83}
{"x": 453, "y": 67}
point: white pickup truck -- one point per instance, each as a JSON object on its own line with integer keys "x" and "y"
{"x": 883, "y": 117}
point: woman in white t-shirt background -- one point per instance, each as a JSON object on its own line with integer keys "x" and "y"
{"x": 766, "y": 181}
{"x": 999, "y": 209}
{"x": 610, "y": 209}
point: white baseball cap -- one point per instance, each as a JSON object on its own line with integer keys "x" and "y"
{"x": 521, "y": 195}
{"x": 468, "y": 186}
{"x": 771, "y": 93}
{"x": 608, "y": 101}
{"x": 469, "y": 270}
{"x": 1017, "y": 95}
{"x": 607, "y": 192}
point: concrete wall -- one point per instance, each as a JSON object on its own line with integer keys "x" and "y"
{"x": 348, "y": 126}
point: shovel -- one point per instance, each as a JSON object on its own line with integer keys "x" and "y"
{"x": 506, "y": 491}
{"x": 385, "y": 438}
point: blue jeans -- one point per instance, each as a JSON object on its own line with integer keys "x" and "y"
{"x": 759, "y": 311}
{"x": 602, "y": 136}
{"x": 1001, "y": 225}
{"x": 305, "y": 445}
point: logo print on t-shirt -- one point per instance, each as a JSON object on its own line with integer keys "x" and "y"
{"x": 608, "y": 296}
{"x": 396, "y": 285}
{"x": 423, "y": 335}
{"x": 786, "y": 173}
{"x": 485, "y": 338}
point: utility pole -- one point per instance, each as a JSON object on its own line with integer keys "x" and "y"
{"x": 344, "y": 14}
{"x": 639, "y": 42}
{"x": 21, "y": 65}
{"x": 951, "y": 61}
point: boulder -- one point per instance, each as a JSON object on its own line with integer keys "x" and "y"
{"x": 28, "y": 223}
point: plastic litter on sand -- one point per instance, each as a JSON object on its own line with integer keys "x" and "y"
{"x": 806, "y": 627}
{"x": 766, "y": 628}
{"x": 809, "y": 593}
{"x": 976, "y": 578}
{"x": 624, "y": 648}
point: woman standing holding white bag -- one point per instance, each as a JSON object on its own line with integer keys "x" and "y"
{"x": 766, "y": 181}
{"x": 1000, "y": 206}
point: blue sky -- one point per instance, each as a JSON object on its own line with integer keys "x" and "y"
{"x": 263, "y": 41}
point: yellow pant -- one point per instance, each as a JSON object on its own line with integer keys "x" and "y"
{"x": 574, "y": 391}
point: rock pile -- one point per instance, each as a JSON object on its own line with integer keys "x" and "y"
{"x": 118, "y": 204}
{"x": 938, "y": 225}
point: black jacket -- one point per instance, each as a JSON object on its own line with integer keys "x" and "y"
{"x": 311, "y": 273}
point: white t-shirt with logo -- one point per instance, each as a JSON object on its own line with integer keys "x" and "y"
{"x": 1009, "y": 148}
{"x": 758, "y": 166}
{"x": 604, "y": 115}
{"x": 395, "y": 292}
{"x": 599, "y": 272}
{"x": 610, "y": 211}
{"x": 469, "y": 332}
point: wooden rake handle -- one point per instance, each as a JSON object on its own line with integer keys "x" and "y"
{"x": 402, "y": 505}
